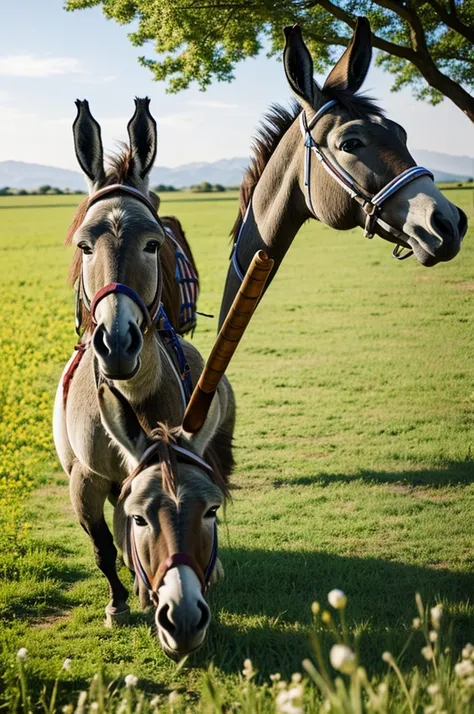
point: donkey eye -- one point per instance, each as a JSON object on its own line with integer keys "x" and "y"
{"x": 86, "y": 248}
{"x": 152, "y": 246}
{"x": 212, "y": 512}
{"x": 139, "y": 520}
{"x": 350, "y": 145}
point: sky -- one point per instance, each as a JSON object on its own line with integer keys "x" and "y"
{"x": 50, "y": 57}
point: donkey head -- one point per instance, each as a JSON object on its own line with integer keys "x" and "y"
{"x": 170, "y": 504}
{"x": 120, "y": 237}
{"x": 357, "y": 138}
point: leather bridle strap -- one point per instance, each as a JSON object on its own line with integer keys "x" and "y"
{"x": 114, "y": 188}
{"x": 371, "y": 205}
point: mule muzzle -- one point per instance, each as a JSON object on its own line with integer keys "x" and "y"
{"x": 440, "y": 241}
{"x": 118, "y": 350}
{"x": 182, "y": 616}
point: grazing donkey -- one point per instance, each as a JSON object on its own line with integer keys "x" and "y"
{"x": 336, "y": 158}
{"x": 128, "y": 344}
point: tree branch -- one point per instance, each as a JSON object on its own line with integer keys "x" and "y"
{"x": 451, "y": 19}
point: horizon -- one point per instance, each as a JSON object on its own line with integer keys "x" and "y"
{"x": 38, "y": 87}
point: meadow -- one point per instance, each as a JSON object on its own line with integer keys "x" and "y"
{"x": 354, "y": 447}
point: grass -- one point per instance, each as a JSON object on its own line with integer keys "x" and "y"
{"x": 355, "y": 396}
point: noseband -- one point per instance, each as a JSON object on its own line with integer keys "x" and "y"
{"x": 184, "y": 456}
{"x": 371, "y": 205}
{"x": 150, "y": 312}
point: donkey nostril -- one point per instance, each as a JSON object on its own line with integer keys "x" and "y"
{"x": 164, "y": 621}
{"x": 205, "y": 616}
{"x": 99, "y": 342}
{"x": 442, "y": 226}
{"x": 135, "y": 339}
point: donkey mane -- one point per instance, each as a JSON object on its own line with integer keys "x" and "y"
{"x": 166, "y": 457}
{"x": 273, "y": 128}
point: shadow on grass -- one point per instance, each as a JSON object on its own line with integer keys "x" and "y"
{"x": 451, "y": 473}
{"x": 263, "y": 608}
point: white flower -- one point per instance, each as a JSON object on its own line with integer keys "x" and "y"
{"x": 387, "y": 657}
{"x": 343, "y": 659}
{"x": 22, "y": 654}
{"x": 248, "y": 670}
{"x": 436, "y": 615}
{"x": 433, "y": 690}
{"x": 131, "y": 680}
{"x": 67, "y": 709}
{"x": 427, "y": 653}
{"x": 67, "y": 664}
{"x": 296, "y": 677}
{"x": 433, "y": 635}
{"x": 275, "y": 677}
{"x": 286, "y": 704}
{"x": 174, "y": 697}
{"x": 94, "y": 707}
{"x": 464, "y": 669}
{"x": 315, "y": 607}
{"x": 467, "y": 651}
{"x": 337, "y": 599}
{"x": 416, "y": 623}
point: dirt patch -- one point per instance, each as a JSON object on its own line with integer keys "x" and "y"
{"x": 465, "y": 286}
{"x": 51, "y": 620}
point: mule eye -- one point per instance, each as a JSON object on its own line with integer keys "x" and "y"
{"x": 212, "y": 512}
{"x": 151, "y": 246}
{"x": 86, "y": 248}
{"x": 139, "y": 520}
{"x": 350, "y": 145}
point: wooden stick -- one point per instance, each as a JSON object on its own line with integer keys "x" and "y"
{"x": 227, "y": 340}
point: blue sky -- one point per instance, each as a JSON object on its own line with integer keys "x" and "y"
{"x": 49, "y": 57}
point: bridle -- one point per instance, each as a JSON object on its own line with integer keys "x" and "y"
{"x": 371, "y": 205}
{"x": 153, "y": 583}
{"x": 150, "y": 312}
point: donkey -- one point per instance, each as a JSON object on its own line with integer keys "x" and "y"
{"x": 364, "y": 175}
{"x": 128, "y": 342}
{"x": 165, "y": 519}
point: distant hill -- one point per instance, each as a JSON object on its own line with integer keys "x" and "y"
{"x": 227, "y": 172}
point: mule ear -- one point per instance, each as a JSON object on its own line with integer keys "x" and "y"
{"x": 298, "y": 65}
{"x": 155, "y": 200}
{"x": 351, "y": 70}
{"x": 200, "y": 440}
{"x": 88, "y": 144}
{"x": 121, "y": 423}
{"x": 143, "y": 140}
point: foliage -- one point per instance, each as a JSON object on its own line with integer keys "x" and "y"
{"x": 162, "y": 188}
{"x": 206, "y": 187}
{"x": 337, "y": 684}
{"x": 353, "y": 446}
{"x": 428, "y": 45}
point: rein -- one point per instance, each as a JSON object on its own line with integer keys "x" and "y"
{"x": 153, "y": 583}
{"x": 371, "y": 205}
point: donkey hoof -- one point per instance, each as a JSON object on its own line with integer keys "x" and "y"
{"x": 116, "y": 616}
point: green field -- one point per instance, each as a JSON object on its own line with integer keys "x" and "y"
{"x": 354, "y": 447}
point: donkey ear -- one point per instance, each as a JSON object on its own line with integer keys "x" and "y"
{"x": 351, "y": 70}
{"x": 88, "y": 144}
{"x": 200, "y": 440}
{"x": 143, "y": 139}
{"x": 121, "y": 423}
{"x": 298, "y": 65}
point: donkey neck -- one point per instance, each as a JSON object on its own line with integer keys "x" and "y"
{"x": 277, "y": 211}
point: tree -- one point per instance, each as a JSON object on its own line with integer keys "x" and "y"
{"x": 425, "y": 44}
{"x": 44, "y": 189}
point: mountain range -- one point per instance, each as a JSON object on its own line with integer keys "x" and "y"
{"x": 228, "y": 172}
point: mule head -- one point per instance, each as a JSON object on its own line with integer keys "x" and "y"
{"x": 120, "y": 237}
{"x": 169, "y": 504}
{"x": 358, "y": 139}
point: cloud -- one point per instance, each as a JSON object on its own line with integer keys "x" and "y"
{"x": 211, "y": 104}
{"x": 106, "y": 79}
{"x": 38, "y": 67}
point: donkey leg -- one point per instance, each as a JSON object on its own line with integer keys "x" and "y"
{"x": 88, "y": 494}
